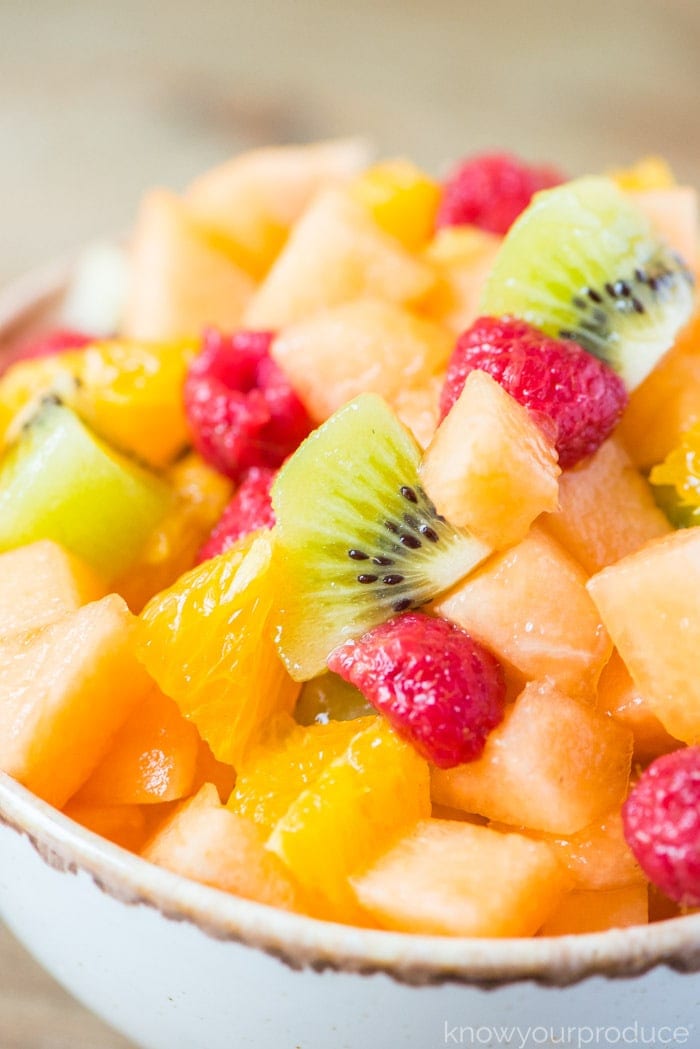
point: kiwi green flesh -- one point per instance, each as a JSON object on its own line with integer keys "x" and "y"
{"x": 583, "y": 263}
{"x": 358, "y": 540}
{"x": 679, "y": 513}
{"x": 330, "y": 698}
{"x": 58, "y": 481}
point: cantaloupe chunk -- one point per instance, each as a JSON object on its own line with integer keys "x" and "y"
{"x": 463, "y": 257}
{"x": 671, "y": 393}
{"x": 123, "y": 825}
{"x": 454, "y": 879}
{"x": 619, "y": 697}
{"x": 254, "y": 198}
{"x": 489, "y": 467}
{"x": 673, "y": 212}
{"x": 41, "y": 582}
{"x": 581, "y": 912}
{"x": 606, "y": 509}
{"x": 208, "y": 843}
{"x": 182, "y": 278}
{"x": 335, "y": 254}
{"x": 64, "y": 693}
{"x": 209, "y": 770}
{"x": 419, "y": 408}
{"x": 649, "y": 604}
{"x": 361, "y": 802}
{"x": 152, "y": 759}
{"x": 554, "y": 764}
{"x": 530, "y": 606}
{"x": 367, "y": 345}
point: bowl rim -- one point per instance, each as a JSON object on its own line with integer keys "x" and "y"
{"x": 299, "y": 941}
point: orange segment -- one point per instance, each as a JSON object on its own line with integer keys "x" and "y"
{"x": 200, "y": 494}
{"x": 377, "y": 789}
{"x": 276, "y": 772}
{"x": 454, "y": 879}
{"x": 606, "y": 509}
{"x": 401, "y": 199}
{"x": 208, "y": 642}
{"x": 41, "y": 582}
{"x": 208, "y": 843}
{"x": 152, "y": 758}
{"x": 64, "y": 693}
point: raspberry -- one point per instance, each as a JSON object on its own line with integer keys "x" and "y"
{"x": 576, "y": 398}
{"x": 250, "y": 509}
{"x": 491, "y": 190}
{"x": 437, "y": 687}
{"x": 661, "y": 819}
{"x": 241, "y": 407}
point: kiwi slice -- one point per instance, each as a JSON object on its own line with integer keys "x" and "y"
{"x": 59, "y": 481}
{"x": 358, "y": 539}
{"x": 583, "y": 263}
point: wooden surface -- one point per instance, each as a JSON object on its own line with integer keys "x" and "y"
{"x": 99, "y": 100}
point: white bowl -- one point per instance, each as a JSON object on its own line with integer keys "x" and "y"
{"x": 176, "y": 965}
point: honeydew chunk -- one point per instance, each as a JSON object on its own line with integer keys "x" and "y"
{"x": 581, "y": 912}
{"x": 489, "y": 467}
{"x": 529, "y": 605}
{"x": 65, "y": 691}
{"x": 606, "y": 509}
{"x": 649, "y": 604}
{"x": 182, "y": 277}
{"x": 555, "y": 764}
{"x": 448, "y": 878}
{"x": 41, "y": 582}
{"x": 335, "y": 254}
{"x": 208, "y": 843}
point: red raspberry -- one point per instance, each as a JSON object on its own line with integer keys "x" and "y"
{"x": 491, "y": 190}
{"x": 555, "y": 379}
{"x": 437, "y": 687}
{"x": 56, "y": 341}
{"x": 661, "y": 819}
{"x": 241, "y": 408}
{"x": 250, "y": 509}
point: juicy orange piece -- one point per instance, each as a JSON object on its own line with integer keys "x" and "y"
{"x": 206, "y": 842}
{"x": 647, "y": 173}
{"x": 65, "y": 691}
{"x": 200, "y": 494}
{"x": 276, "y": 772}
{"x": 41, "y": 582}
{"x": 454, "y": 879}
{"x": 401, "y": 199}
{"x": 208, "y": 642}
{"x": 581, "y": 912}
{"x": 356, "y": 808}
{"x": 152, "y": 758}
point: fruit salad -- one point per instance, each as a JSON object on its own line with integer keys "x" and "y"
{"x": 347, "y": 547}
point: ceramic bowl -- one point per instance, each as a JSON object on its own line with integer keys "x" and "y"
{"x": 176, "y": 965}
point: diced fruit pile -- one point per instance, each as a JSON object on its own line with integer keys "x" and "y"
{"x": 354, "y": 569}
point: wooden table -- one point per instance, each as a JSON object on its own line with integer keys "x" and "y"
{"x": 99, "y": 100}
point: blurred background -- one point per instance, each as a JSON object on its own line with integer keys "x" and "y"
{"x": 99, "y": 100}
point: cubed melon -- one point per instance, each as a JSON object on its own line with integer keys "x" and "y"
{"x": 419, "y": 408}
{"x": 65, "y": 691}
{"x": 666, "y": 404}
{"x": 606, "y": 509}
{"x": 554, "y": 764}
{"x": 649, "y": 604}
{"x": 581, "y": 912}
{"x": 41, "y": 582}
{"x": 529, "y": 605}
{"x": 152, "y": 758}
{"x": 124, "y": 825}
{"x": 254, "y": 198}
{"x": 367, "y": 345}
{"x": 335, "y": 254}
{"x": 182, "y": 278}
{"x": 489, "y": 468}
{"x": 208, "y": 843}
{"x": 209, "y": 770}
{"x": 619, "y": 697}
{"x": 447, "y": 878}
{"x": 361, "y": 802}
{"x": 673, "y": 212}
{"x": 463, "y": 257}
{"x": 597, "y": 857}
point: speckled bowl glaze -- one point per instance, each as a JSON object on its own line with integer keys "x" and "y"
{"x": 176, "y": 965}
